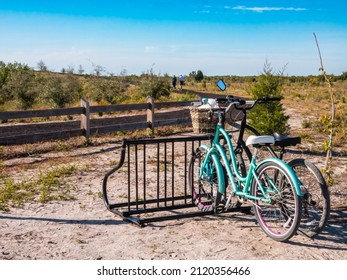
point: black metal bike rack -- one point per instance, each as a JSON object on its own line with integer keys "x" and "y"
{"x": 150, "y": 182}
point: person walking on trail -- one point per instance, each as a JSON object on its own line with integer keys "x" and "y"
{"x": 174, "y": 81}
{"x": 181, "y": 81}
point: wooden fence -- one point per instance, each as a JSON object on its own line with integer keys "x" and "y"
{"x": 87, "y": 125}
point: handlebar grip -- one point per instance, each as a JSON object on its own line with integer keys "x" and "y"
{"x": 269, "y": 99}
{"x": 221, "y": 100}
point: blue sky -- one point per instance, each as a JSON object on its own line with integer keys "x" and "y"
{"x": 219, "y": 37}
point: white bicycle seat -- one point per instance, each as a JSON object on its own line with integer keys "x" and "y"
{"x": 260, "y": 140}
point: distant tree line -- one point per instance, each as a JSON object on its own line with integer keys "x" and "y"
{"x": 22, "y": 87}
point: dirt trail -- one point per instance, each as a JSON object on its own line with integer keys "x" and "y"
{"x": 83, "y": 229}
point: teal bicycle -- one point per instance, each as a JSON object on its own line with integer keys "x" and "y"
{"x": 271, "y": 186}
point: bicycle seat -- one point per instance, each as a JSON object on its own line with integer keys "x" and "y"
{"x": 283, "y": 140}
{"x": 260, "y": 140}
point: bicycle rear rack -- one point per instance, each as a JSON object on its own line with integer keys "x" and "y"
{"x": 151, "y": 180}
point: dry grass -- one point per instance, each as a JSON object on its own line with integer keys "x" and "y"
{"x": 305, "y": 104}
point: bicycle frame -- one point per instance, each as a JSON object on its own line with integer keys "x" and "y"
{"x": 276, "y": 157}
{"x": 271, "y": 185}
{"x": 217, "y": 149}
{"x": 232, "y": 170}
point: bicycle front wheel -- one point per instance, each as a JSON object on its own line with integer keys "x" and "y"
{"x": 204, "y": 180}
{"x": 279, "y": 218}
{"x": 316, "y": 200}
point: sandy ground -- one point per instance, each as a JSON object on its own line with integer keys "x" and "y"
{"x": 84, "y": 229}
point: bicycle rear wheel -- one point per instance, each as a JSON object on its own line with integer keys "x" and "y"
{"x": 204, "y": 184}
{"x": 316, "y": 200}
{"x": 279, "y": 219}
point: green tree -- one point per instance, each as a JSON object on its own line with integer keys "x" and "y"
{"x": 4, "y": 73}
{"x": 268, "y": 118}
{"x": 343, "y": 76}
{"x": 106, "y": 89}
{"x": 53, "y": 92}
{"x": 22, "y": 85}
{"x": 7, "y": 74}
{"x": 154, "y": 85}
{"x": 60, "y": 91}
{"x": 197, "y": 76}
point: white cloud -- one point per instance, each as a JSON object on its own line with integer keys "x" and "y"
{"x": 264, "y": 9}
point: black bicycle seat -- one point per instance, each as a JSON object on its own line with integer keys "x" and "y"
{"x": 283, "y": 140}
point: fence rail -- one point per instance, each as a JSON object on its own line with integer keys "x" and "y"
{"x": 49, "y": 130}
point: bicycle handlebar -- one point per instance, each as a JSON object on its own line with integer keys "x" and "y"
{"x": 237, "y": 101}
{"x": 267, "y": 99}
{"x": 230, "y": 99}
{"x": 251, "y": 103}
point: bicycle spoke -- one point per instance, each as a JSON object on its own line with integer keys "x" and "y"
{"x": 280, "y": 218}
{"x": 316, "y": 201}
{"x": 205, "y": 186}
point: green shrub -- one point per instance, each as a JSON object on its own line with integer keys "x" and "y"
{"x": 60, "y": 91}
{"x": 268, "y": 118}
{"x": 107, "y": 89}
{"x": 49, "y": 186}
{"x": 17, "y": 82}
{"x": 154, "y": 85}
{"x": 198, "y": 76}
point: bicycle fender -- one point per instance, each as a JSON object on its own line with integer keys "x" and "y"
{"x": 212, "y": 153}
{"x": 221, "y": 179}
{"x": 290, "y": 171}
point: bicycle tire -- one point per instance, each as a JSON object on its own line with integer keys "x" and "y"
{"x": 317, "y": 210}
{"x": 316, "y": 201}
{"x": 279, "y": 219}
{"x": 204, "y": 188}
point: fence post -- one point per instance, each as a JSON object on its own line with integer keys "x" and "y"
{"x": 150, "y": 113}
{"x": 198, "y": 97}
{"x": 85, "y": 118}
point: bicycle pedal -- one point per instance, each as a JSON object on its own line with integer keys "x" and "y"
{"x": 219, "y": 209}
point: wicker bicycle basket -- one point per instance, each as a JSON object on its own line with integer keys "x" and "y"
{"x": 203, "y": 120}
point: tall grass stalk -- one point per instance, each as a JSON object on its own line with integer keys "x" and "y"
{"x": 328, "y": 160}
